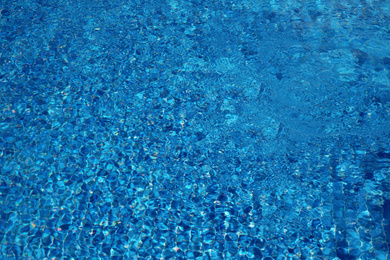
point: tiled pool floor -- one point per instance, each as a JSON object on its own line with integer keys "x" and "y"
{"x": 194, "y": 129}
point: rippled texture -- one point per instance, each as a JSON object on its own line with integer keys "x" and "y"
{"x": 194, "y": 129}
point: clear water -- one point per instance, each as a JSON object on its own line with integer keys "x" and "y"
{"x": 194, "y": 129}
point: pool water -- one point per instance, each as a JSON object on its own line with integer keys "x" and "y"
{"x": 194, "y": 129}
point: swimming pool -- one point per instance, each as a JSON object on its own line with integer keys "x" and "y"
{"x": 194, "y": 129}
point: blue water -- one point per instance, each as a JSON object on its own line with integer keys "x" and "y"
{"x": 194, "y": 129}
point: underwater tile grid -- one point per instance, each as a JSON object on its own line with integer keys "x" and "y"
{"x": 194, "y": 129}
